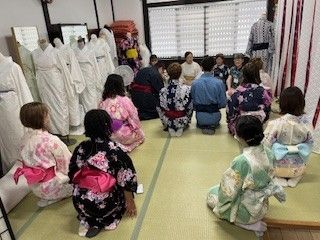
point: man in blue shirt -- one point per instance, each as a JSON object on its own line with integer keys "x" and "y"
{"x": 208, "y": 96}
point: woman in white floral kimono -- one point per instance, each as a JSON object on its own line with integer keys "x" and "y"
{"x": 242, "y": 196}
{"x": 44, "y": 156}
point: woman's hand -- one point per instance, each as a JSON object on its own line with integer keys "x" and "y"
{"x": 131, "y": 209}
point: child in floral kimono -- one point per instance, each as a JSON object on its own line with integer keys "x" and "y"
{"x": 45, "y": 157}
{"x": 245, "y": 187}
{"x": 290, "y": 138}
{"x": 103, "y": 177}
{"x": 126, "y": 126}
{"x": 175, "y": 109}
{"x": 248, "y": 99}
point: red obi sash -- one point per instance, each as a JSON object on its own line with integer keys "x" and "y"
{"x": 141, "y": 88}
{"x": 94, "y": 179}
{"x": 34, "y": 175}
{"x": 172, "y": 114}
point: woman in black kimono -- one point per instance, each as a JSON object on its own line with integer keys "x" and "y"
{"x": 103, "y": 177}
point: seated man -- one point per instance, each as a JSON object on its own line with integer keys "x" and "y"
{"x": 208, "y": 96}
{"x": 145, "y": 91}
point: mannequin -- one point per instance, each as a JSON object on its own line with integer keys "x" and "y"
{"x": 29, "y": 71}
{"x": 91, "y": 95}
{"x": 261, "y": 42}
{"x": 14, "y": 93}
{"x": 106, "y": 33}
{"x": 102, "y": 53}
{"x": 55, "y": 85}
{"x": 78, "y": 83}
{"x": 145, "y": 55}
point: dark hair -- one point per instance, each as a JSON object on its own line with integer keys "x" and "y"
{"x": 220, "y": 55}
{"x": 250, "y": 129}
{"x": 153, "y": 57}
{"x": 97, "y": 124}
{"x": 207, "y": 64}
{"x": 174, "y": 70}
{"x": 107, "y": 27}
{"x": 292, "y": 101}
{"x": 238, "y": 56}
{"x": 32, "y": 115}
{"x": 159, "y": 65}
{"x": 81, "y": 39}
{"x": 250, "y": 74}
{"x": 113, "y": 87}
{"x": 258, "y": 65}
{"x": 187, "y": 54}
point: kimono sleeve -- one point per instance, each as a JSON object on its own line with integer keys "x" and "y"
{"x": 233, "y": 107}
{"x": 156, "y": 81}
{"x": 133, "y": 117}
{"x": 189, "y": 104}
{"x": 250, "y": 42}
{"x": 271, "y": 133}
{"x": 73, "y": 166}
{"x": 231, "y": 187}
{"x": 62, "y": 157}
{"x": 126, "y": 175}
{"x": 222, "y": 95}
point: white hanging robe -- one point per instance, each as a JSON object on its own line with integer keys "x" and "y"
{"x": 78, "y": 84}
{"x": 145, "y": 54}
{"x": 55, "y": 85}
{"x": 14, "y": 93}
{"x": 112, "y": 45}
{"x": 104, "y": 60}
{"x": 92, "y": 94}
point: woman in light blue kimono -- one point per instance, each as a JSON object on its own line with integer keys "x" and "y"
{"x": 242, "y": 196}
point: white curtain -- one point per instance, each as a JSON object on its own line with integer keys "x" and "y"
{"x": 297, "y": 57}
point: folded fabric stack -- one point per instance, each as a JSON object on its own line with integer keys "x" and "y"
{"x": 120, "y": 29}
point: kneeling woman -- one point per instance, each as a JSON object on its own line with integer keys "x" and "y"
{"x": 175, "y": 109}
{"x": 126, "y": 126}
{"x": 103, "y": 177}
{"x": 242, "y": 197}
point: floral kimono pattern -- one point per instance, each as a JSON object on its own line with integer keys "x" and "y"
{"x": 102, "y": 209}
{"x": 249, "y": 99}
{"x": 129, "y": 135}
{"x": 175, "y": 97}
{"x": 133, "y": 59}
{"x": 42, "y": 150}
{"x": 221, "y": 72}
{"x": 236, "y": 76}
{"x": 242, "y": 196}
{"x": 289, "y": 130}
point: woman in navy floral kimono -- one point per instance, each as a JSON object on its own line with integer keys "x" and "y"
{"x": 248, "y": 99}
{"x": 103, "y": 177}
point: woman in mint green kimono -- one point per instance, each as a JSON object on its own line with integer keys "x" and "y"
{"x": 242, "y": 196}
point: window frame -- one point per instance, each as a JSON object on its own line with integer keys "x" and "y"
{"x": 269, "y": 8}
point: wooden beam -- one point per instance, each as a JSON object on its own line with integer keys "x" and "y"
{"x": 276, "y": 223}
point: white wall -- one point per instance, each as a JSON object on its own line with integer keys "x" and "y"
{"x": 29, "y": 13}
{"x": 14, "y": 13}
{"x": 130, "y": 10}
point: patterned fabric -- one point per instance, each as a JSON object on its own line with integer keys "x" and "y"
{"x": 102, "y": 209}
{"x": 300, "y": 129}
{"x": 130, "y": 134}
{"x": 242, "y": 196}
{"x": 40, "y": 149}
{"x": 128, "y": 44}
{"x": 221, "y": 72}
{"x": 236, "y": 75}
{"x": 262, "y": 32}
{"x": 248, "y": 99}
{"x": 208, "y": 90}
{"x": 175, "y": 97}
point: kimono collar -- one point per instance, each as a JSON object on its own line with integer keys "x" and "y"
{"x": 221, "y": 66}
{"x": 174, "y": 82}
{"x": 48, "y": 49}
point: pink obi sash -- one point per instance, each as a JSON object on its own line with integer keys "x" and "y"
{"x": 34, "y": 175}
{"x": 94, "y": 179}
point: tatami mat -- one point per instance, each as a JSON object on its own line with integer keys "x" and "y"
{"x": 176, "y": 173}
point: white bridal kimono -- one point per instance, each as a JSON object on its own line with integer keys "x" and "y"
{"x": 93, "y": 92}
{"x": 78, "y": 83}
{"x": 145, "y": 54}
{"x": 104, "y": 59}
{"x": 112, "y": 44}
{"x": 55, "y": 86}
{"x": 14, "y": 93}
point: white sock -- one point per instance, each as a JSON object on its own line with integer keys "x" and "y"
{"x": 292, "y": 182}
{"x": 212, "y": 200}
{"x": 259, "y": 226}
{"x": 82, "y": 230}
{"x": 280, "y": 181}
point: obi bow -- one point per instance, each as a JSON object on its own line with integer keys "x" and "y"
{"x": 280, "y": 150}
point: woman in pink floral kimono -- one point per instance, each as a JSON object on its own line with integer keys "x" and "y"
{"x": 126, "y": 126}
{"x": 103, "y": 177}
{"x": 45, "y": 157}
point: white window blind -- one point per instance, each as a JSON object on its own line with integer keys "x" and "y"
{"x": 204, "y": 29}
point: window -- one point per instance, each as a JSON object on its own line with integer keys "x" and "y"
{"x": 204, "y": 29}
